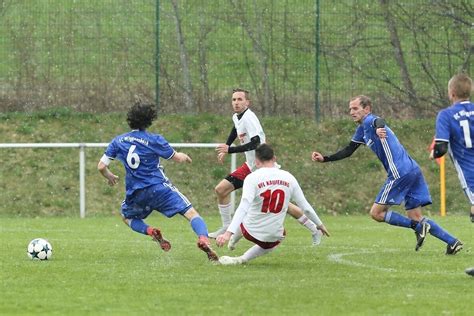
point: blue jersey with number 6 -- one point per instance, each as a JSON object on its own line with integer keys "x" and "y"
{"x": 455, "y": 125}
{"x": 140, "y": 153}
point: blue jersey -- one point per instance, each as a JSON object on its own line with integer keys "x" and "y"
{"x": 140, "y": 153}
{"x": 455, "y": 125}
{"x": 389, "y": 150}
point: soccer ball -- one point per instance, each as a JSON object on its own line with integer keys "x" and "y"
{"x": 39, "y": 248}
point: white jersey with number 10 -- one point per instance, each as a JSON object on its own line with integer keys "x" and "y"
{"x": 265, "y": 197}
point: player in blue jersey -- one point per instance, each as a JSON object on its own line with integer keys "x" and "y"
{"x": 405, "y": 182}
{"x": 455, "y": 133}
{"x": 147, "y": 187}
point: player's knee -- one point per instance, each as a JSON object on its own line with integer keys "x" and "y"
{"x": 220, "y": 191}
{"x": 126, "y": 221}
{"x": 376, "y": 215}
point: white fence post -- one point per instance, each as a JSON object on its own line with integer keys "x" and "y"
{"x": 82, "y": 181}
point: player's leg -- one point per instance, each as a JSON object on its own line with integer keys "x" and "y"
{"x": 233, "y": 181}
{"x": 298, "y": 214}
{"x": 223, "y": 190}
{"x": 261, "y": 248}
{"x": 419, "y": 196}
{"x": 392, "y": 192}
{"x": 133, "y": 215}
{"x": 472, "y": 214}
{"x": 199, "y": 227}
{"x": 453, "y": 244}
{"x": 382, "y": 213}
{"x": 422, "y": 227}
{"x": 470, "y": 196}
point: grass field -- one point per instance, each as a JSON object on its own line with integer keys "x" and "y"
{"x": 99, "y": 266}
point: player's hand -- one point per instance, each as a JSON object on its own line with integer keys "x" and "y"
{"x": 112, "y": 179}
{"x": 323, "y": 229}
{"x": 221, "y": 240}
{"x": 222, "y": 148}
{"x": 381, "y": 132}
{"x": 432, "y": 154}
{"x": 315, "y": 156}
{"x": 181, "y": 157}
{"x": 220, "y": 157}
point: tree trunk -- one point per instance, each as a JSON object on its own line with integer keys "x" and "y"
{"x": 183, "y": 54}
{"x": 398, "y": 52}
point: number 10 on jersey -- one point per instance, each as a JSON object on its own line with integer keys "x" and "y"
{"x": 273, "y": 201}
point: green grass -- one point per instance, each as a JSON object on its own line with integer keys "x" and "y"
{"x": 99, "y": 266}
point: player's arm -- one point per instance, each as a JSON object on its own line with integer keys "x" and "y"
{"x": 181, "y": 157}
{"x": 252, "y": 145}
{"x": 232, "y": 136}
{"x": 440, "y": 148}
{"x": 341, "y": 154}
{"x": 235, "y": 224}
{"x": 308, "y": 210}
{"x": 103, "y": 168}
{"x": 227, "y": 149}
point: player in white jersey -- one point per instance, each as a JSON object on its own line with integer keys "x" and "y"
{"x": 265, "y": 199}
{"x": 248, "y": 129}
{"x": 455, "y": 133}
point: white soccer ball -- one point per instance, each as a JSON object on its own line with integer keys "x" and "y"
{"x": 39, "y": 248}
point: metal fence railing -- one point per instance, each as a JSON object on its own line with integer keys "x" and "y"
{"x": 297, "y": 57}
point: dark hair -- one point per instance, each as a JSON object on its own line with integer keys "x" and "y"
{"x": 264, "y": 152}
{"x": 364, "y": 101}
{"x": 461, "y": 85}
{"x": 246, "y": 92}
{"x": 141, "y": 115}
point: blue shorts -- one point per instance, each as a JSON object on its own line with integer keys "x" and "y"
{"x": 164, "y": 198}
{"x": 411, "y": 188}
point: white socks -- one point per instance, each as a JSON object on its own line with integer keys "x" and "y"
{"x": 306, "y": 222}
{"x": 226, "y": 214}
{"x": 254, "y": 252}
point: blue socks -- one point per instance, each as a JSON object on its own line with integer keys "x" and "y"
{"x": 197, "y": 223}
{"x": 139, "y": 226}
{"x": 396, "y": 219}
{"x": 440, "y": 233}
{"x": 199, "y": 226}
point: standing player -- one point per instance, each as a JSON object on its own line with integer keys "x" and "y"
{"x": 265, "y": 199}
{"x": 248, "y": 129}
{"x": 405, "y": 181}
{"x": 455, "y": 133}
{"x": 147, "y": 187}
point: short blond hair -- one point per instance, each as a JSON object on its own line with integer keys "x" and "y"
{"x": 461, "y": 86}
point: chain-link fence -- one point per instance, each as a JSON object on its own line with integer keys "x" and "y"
{"x": 297, "y": 57}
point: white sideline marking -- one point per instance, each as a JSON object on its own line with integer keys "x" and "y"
{"x": 338, "y": 258}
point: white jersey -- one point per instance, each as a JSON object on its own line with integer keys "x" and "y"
{"x": 265, "y": 197}
{"x": 247, "y": 127}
